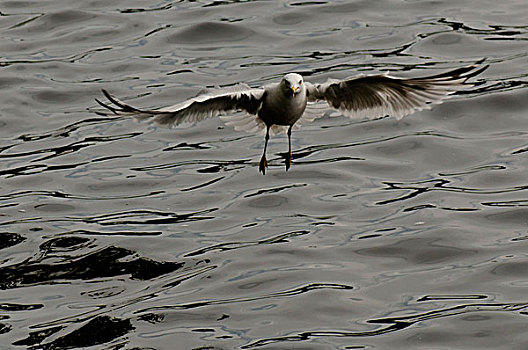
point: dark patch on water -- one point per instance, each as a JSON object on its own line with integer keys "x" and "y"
{"x": 99, "y": 264}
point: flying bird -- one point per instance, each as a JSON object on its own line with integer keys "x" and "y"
{"x": 278, "y": 107}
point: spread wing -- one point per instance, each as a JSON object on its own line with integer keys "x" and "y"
{"x": 239, "y": 97}
{"x": 375, "y": 96}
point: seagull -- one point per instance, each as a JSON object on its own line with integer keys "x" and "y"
{"x": 278, "y": 107}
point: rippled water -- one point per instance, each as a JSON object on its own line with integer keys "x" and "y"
{"x": 384, "y": 234}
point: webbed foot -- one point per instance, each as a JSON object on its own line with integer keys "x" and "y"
{"x": 288, "y": 160}
{"x": 263, "y": 165}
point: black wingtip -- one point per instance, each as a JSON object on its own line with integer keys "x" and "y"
{"x": 123, "y": 106}
{"x": 110, "y": 108}
{"x": 479, "y": 62}
{"x": 478, "y": 70}
{"x": 465, "y": 72}
{"x": 474, "y": 70}
{"x": 111, "y": 98}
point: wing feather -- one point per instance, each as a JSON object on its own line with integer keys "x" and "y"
{"x": 375, "y": 96}
{"x": 239, "y": 97}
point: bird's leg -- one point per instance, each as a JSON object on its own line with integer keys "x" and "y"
{"x": 289, "y": 156}
{"x": 263, "y": 161}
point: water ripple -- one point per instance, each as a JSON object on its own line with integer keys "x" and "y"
{"x": 394, "y": 323}
{"x": 65, "y": 131}
{"x": 286, "y": 293}
{"x": 129, "y": 217}
{"x": 282, "y": 238}
{"x": 61, "y": 194}
{"x": 69, "y": 148}
{"x": 415, "y": 189}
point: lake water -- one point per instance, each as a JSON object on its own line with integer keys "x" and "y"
{"x": 384, "y": 234}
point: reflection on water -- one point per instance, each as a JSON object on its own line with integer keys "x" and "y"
{"x": 385, "y": 234}
{"x": 394, "y": 324}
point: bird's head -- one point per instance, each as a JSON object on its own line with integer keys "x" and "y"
{"x": 292, "y": 84}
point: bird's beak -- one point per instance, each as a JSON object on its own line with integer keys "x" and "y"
{"x": 294, "y": 89}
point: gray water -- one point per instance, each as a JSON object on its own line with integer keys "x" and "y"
{"x": 384, "y": 234}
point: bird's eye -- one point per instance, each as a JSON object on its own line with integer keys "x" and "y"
{"x": 300, "y": 82}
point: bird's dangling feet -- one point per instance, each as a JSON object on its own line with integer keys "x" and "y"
{"x": 288, "y": 160}
{"x": 263, "y": 161}
{"x": 289, "y": 155}
{"x": 263, "y": 165}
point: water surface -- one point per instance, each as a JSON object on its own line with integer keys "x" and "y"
{"x": 406, "y": 234}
